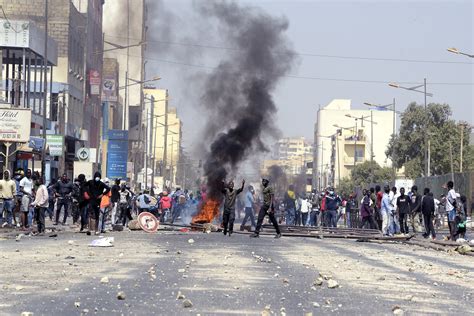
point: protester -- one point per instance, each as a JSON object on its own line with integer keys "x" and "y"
{"x": 366, "y": 212}
{"x": 41, "y": 204}
{"x": 415, "y": 208}
{"x": 95, "y": 189}
{"x": 249, "y": 202}
{"x": 180, "y": 204}
{"x": 403, "y": 207}
{"x": 114, "y": 199}
{"x": 305, "y": 206}
{"x": 332, "y": 205}
{"x": 376, "y": 196}
{"x": 451, "y": 206}
{"x": 393, "y": 223}
{"x": 165, "y": 206}
{"x": 315, "y": 210}
{"x": 63, "y": 189}
{"x": 385, "y": 211}
{"x": 230, "y": 196}
{"x": 290, "y": 204}
{"x": 460, "y": 221}
{"x": 26, "y": 187}
{"x": 351, "y": 206}
{"x": 105, "y": 204}
{"x": 124, "y": 207}
{"x": 144, "y": 202}
{"x": 51, "y": 202}
{"x": 268, "y": 208}
{"x": 18, "y": 197}
{"x": 7, "y": 196}
{"x": 428, "y": 210}
{"x": 83, "y": 200}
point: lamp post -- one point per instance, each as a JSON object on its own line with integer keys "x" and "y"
{"x": 456, "y": 51}
{"x": 388, "y": 107}
{"x": 426, "y": 94}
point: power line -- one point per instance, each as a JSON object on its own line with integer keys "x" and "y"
{"x": 8, "y": 20}
{"x": 305, "y": 77}
{"x": 311, "y": 54}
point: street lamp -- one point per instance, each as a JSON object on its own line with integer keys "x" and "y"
{"x": 456, "y": 51}
{"x": 426, "y": 94}
{"x": 388, "y": 107}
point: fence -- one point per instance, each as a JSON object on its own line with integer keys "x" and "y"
{"x": 463, "y": 184}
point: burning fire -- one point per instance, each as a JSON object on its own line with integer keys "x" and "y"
{"x": 208, "y": 212}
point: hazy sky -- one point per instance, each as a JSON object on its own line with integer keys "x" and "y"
{"x": 360, "y": 30}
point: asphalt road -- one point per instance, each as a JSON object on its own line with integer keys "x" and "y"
{"x": 229, "y": 276}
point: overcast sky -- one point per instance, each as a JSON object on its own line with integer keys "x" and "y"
{"x": 359, "y": 32}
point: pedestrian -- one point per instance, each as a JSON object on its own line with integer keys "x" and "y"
{"x": 249, "y": 202}
{"x": 268, "y": 208}
{"x": 144, "y": 202}
{"x": 460, "y": 220}
{"x": 451, "y": 206}
{"x": 26, "y": 187}
{"x": 95, "y": 189}
{"x": 376, "y": 196}
{"x": 52, "y": 199}
{"x": 313, "y": 217}
{"x": 7, "y": 196}
{"x": 332, "y": 205}
{"x": 63, "y": 189}
{"x": 298, "y": 203}
{"x": 83, "y": 200}
{"x": 114, "y": 199}
{"x": 76, "y": 193}
{"x": 351, "y": 207}
{"x": 393, "y": 223}
{"x": 428, "y": 210}
{"x": 105, "y": 204}
{"x": 385, "y": 211}
{"x": 18, "y": 197}
{"x": 366, "y": 211}
{"x": 165, "y": 206}
{"x": 230, "y": 196}
{"x": 124, "y": 207}
{"x": 180, "y": 205}
{"x": 41, "y": 204}
{"x": 290, "y": 204}
{"x": 305, "y": 206}
{"x": 403, "y": 207}
{"x": 415, "y": 209}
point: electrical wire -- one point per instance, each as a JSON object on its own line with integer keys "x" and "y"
{"x": 305, "y": 77}
{"x": 8, "y": 20}
{"x": 311, "y": 54}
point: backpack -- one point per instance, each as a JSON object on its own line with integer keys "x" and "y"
{"x": 146, "y": 199}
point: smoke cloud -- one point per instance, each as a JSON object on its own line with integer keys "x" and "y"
{"x": 238, "y": 93}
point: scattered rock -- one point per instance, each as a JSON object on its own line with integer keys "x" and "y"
{"x": 27, "y": 314}
{"x": 187, "y": 304}
{"x": 121, "y": 296}
{"x": 463, "y": 249}
{"x": 409, "y": 298}
{"x": 191, "y": 241}
{"x": 104, "y": 280}
{"x": 332, "y": 284}
{"x": 181, "y": 270}
{"x": 19, "y": 288}
{"x": 77, "y": 304}
{"x": 286, "y": 281}
{"x": 411, "y": 269}
{"x": 316, "y": 305}
{"x": 266, "y": 311}
{"x": 308, "y": 314}
{"x": 18, "y": 238}
{"x": 70, "y": 242}
{"x": 180, "y": 296}
{"x": 398, "y": 311}
{"x": 85, "y": 311}
{"x": 318, "y": 282}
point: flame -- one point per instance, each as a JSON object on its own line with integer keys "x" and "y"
{"x": 208, "y": 212}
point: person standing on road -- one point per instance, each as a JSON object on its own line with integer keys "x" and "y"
{"x": 83, "y": 200}
{"x": 249, "y": 203}
{"x": 385, "y": 211}
{"x": 290, "y": 205}
{"x": 451, "y": 206}
{"x": 124, "y": 208}
{"x": 403, "y": 207}
{"x": 26, "y": 187}
{"x": 105, "y": 204}
{"x": 332, "y": 205}
{"x": 95, "y": 190}
{"x": 165, "y": 206}
{"x": 268, "y": 208}
{"x": 41, "y": 204}
{"x": 115, "y": 199}
{"x": 7, "y": 195}
{"x": 428, "y": 210}
{"x": 415, "y": 208}
{"x": 351, "y": 206}
{"x": 305, "y": 207}
{"x": 63, "y": 190}
{"x": 230, "y": 196}
{"x": 393, "y": 225}
{"x": 366, "y": 212}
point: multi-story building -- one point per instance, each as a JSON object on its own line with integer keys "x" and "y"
{"x": 287, "y": 148}
{"x": 164, "y": 137}
{"x": 75, "y": 109}
{"x": 341, "y": 141}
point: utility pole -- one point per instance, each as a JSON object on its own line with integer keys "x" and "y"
{"x": 427, "y": 170}
{"x": 355, "y": 144}
{"x": 451, "y": 160}
{"x": 45, "y": 91}
{"x": 394, "y": 172}
{"x": 372, "y": 146}
{"x": 146, "y": 151}
{"x": 461, "y": 126}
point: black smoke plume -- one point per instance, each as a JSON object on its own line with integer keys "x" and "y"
{"x": 238, "y": 92}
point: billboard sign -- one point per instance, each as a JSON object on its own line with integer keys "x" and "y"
{"x": 109, "y": 90}
{"x": 55, "y": 144}
{"x": 117, "y": 154}
{"x": 15, "y": 125}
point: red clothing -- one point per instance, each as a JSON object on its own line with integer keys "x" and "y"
{"x": 165, "y": 202}
{"x": 379, "y": 199}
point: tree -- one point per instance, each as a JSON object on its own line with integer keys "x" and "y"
{"x": 435, "y": 123}
{"x": 361, "y": 177}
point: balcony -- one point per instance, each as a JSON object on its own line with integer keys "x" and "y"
{"x": 349, "y": 161}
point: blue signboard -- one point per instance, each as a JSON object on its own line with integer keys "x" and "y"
{"x": 117, "y": 154}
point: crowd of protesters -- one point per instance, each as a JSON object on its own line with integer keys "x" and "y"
{"x": 92, "y": 205}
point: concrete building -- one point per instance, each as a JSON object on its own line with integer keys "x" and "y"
{"x": 339, "y": 145}
{"x": 287, "y": 148}
{"x": 164, "y": 136}
{"x": 75, "y": 108}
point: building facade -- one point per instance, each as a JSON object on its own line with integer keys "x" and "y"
{"x": 341, "y": 141}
